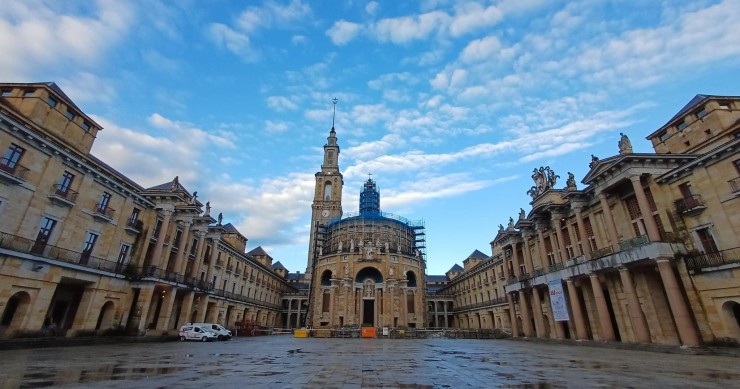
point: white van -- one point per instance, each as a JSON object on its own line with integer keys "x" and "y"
{"x": 194, "y": 332}
{"x": 218, "y": 329}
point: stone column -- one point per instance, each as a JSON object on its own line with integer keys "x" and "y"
{"x": 212, "y": 261}
{"x": 639, "y": 325}
{"x": 287, "y": 318}
{"x": 647, "y": 215}
{"x": 539, "y": 319}
{"x": 524, "y": 311}
{"x": 512, "y": 315}
{"x": 611, "y": 228}
{"x": 186, "y": 307}
{"x": 684, "y": 323}
{"x": 607, "y": 332}
{"x": 585, "y": 243}
{"x": 528, "y": 263}
{"x": 444, "y": 309}
{"x": 167, "y": 210}
{"x": 436, "y": 318}
{"x": 298, "y": 316}
{"x": 178, "y": 268}
{"x": 143, "y": 305}
{"x": 202, "y": 309}
{"x": 332, "y": 298}
{"x": 195, "y": 269}
{"x": 516, "y": 258}
{"x": 556, "y": 219}
{"x": 506, "y": 266}
{"x": 165, "y": 311}
{"x": 544, "y": 261}
{"x": 575, "y": 306}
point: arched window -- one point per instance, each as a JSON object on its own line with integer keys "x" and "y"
{"x": 326, "y": 278}
{"x": 411, "y": 279}
{"x": 327, "y": 191}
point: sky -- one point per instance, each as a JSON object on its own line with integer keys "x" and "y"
{"x": 449, "y": 104}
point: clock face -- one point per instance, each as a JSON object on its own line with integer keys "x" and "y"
{"x": 325, "y": 213}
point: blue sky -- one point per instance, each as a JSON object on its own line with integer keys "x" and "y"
{"x": 450, "y": 104}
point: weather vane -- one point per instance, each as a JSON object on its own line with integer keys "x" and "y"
{"x": 369, "y": 176}
{"x": 334, "y": 100}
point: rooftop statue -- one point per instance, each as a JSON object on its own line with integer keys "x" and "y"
{"x": 571, "y": 183}
{"x": 625, "y": 146}
{"x": 594, "y": 159}
{"x": 544, "y": 179}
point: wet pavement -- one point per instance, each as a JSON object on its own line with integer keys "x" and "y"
{"x": 287, "y": 362}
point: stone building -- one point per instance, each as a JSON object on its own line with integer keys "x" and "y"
{"x": 85, "y": 249}
{"x": 647, "y": 251}
{"x": 365, "y": 268}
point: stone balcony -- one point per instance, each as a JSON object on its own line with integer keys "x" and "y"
{"x": 629, "y": 255}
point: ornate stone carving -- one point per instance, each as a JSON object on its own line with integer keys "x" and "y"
{"x": 625, "y": 146}
{"x": 594, "y": 159}
{"x": 522, "y": 214}
{"x": 544, "y": 179}
{"x": 571, "y": 183}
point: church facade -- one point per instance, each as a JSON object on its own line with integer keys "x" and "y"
{"x": 366, "y": 268}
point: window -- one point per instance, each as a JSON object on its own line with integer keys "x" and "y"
{"x": 685, "y": 189}
{"x": 663, "y": 136}
{"x": 193, "y": 246}
{"x": 707, "y": 241}
{"x": 681, "y": 124}
{"x": 104, "y": 201}
{"x": 123, "y": 254}
{"x": 11, "y": 158}
{"x": 7, "y": 92}
{"x": 28, "y": 92}
{"x": 724, "y": 105}
{"x": 51, "y": 101}
{"x": 86, "y": 126}
{"x": 42, "y": 238}
{"x": 62, "y": 188}
{"x": 134, "y": 215}
{"x": 69, "y": 114}
{"x": 701, "y": 112}
{"x": 88, "y": 247}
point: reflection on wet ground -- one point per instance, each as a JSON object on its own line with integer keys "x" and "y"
{"x": 286, "y": 362}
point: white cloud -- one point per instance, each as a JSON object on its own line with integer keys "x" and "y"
{"x": 299, "y": 40}
{"x": 192, "y": 134}
{"x": 36, "y": 36}
{"x": 434, "y": 187}
{"x": 272, "y": 14}
{"x": 239, "y": 38}
{"x": 480, "y": 49}
{"x": 270, "y": 212}
{"x": 372, "y": 149}
{"x": 343, "y": 32}
{"x": 472, "y": 16}
{"x": 234, "y": 41}
{"x": 404, "y": 29}
{"x": 372, "y": 8}
{"x": 281, "y": 103}
{"x": 86, "y": 87}
{"x": 275, "y": 127}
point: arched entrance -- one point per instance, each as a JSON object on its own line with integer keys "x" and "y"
{"x": 107, "y": 313}
{"x": 731, "y": 318}
{"x": 370, "y": 278}
{"x": 16, "y": 310}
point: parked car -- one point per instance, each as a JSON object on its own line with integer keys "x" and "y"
{"x": 218, "y": 329}
{"x": 194, "y": 332}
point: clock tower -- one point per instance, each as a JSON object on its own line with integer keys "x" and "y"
{"x": 327, "y": 199}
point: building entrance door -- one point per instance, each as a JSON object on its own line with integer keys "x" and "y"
{"x": 368, "y": 313}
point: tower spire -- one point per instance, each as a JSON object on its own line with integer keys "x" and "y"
{"x": 334, "y": 115}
